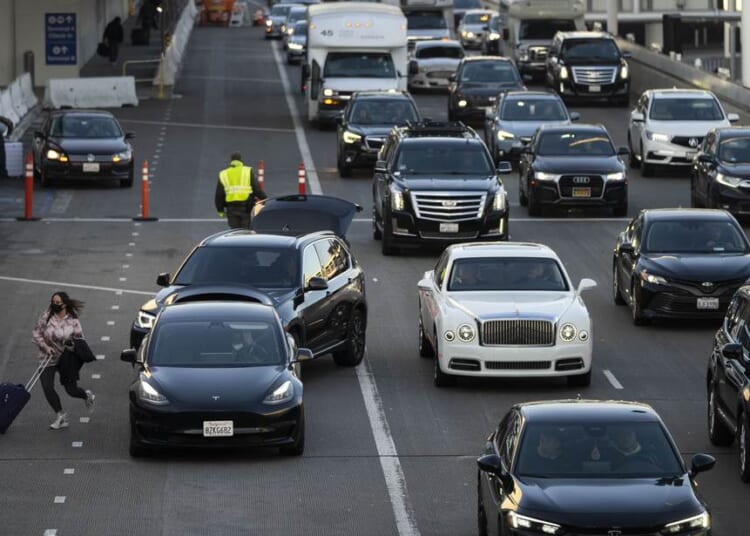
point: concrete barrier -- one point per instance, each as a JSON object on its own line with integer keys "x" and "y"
{"x": 104, "y": 92}
{"x": 17, "y": 99}
{"x": 6, "y": 107}
{"x": 28, "y": 91}
{"x": 14, "y": 162}
{"x": 167, "y": 71}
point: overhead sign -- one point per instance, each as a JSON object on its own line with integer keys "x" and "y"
{"x": 60, "y": 38}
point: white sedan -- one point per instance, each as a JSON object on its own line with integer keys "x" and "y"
{"x": 504, "y": 310}
{"x": 667, "y": 126}
{"x": 433, "y": 63}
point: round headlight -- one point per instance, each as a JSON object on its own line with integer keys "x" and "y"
{"x": 583, "y": 335}
{"x": 462, "y": 103}
{"x": 568, "y": 332}
{"x": 466, "y": 333}
{"x": 449, "y": 336}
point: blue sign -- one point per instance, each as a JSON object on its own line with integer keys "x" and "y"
{"x": 60, "y": 38}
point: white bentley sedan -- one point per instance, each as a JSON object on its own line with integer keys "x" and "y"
{"x": 504, "y": 310}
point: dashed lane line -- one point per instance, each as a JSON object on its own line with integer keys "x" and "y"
{"x": 611, "y": 377}
{"x": 207, "y": 125}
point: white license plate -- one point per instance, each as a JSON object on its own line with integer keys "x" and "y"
{"x": 581, "y": 192}
{"x": 711, "y": 304}
{"x": 595, "y": 89}
{"x": 448, "y": 227}
{"x": 88, "y": 167}
{"x": 218, "y": 428}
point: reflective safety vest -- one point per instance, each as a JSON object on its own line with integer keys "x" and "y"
{"x": 237, "y": 183}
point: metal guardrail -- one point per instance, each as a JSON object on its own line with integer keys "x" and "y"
{"x": 135, "y": 62}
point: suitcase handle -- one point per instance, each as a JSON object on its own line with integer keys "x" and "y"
{"x": 37, "y": 373}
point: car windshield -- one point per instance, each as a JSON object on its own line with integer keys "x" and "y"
{"x": 594, "y": 143}
{"x": 693, "y": 236}
{"x": 489, "y": 72}
{"x": 597, "y": 450}
{"x": 263, "y": 267}
{"x": 466, "y": 4}
{"x": 544, "y": 29}
{"x": 506, "y": 274}
{"x": 444, "y": 51}
{"x": 382, "y": 112}
{"x": 425, "y": 20}
{"x": 280, "y": 10}
{"x": 477, "y": 18}
{"x": 533, "y": 110}
{"x": 674, "y": 109}
{"x": 208, "y": 344}
{"x": 590, "y": 49}
{"x": 439, "y": 159}
{"x": 84, "y": 126}
{"x": 359, "y": 65}
{"x": 735, "y": 150}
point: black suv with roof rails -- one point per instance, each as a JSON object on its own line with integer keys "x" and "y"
{"x": 294, "y": 257}
{"x": 588, "y": 66}
{"x": 365, "y": 122}
{"x": 436, "y": 183}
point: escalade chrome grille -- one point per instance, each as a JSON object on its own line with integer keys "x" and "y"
{"x": 594, "y": 75}
{"x": 448, "y": 206}
{"x": 518, "y": 332}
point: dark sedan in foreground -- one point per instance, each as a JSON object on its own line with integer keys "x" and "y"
{"x": 679, "y": 263}
{"x": 83, "y": 145}
{"x": 576, "y": 467}
{"x": 217, "y": 374}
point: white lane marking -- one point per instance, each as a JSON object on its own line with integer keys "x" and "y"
{"x": 60, "y": 499}
{"x": 216, "y": 127}
{"x": 126, "y": 266}
{"x": 84, "y": 420}
{"x": 394, "y": 476}
{"x": 73, "y": 285}
{"x": 128, "y": 254}
{"x": 96, "y": 376}
{"x": 61, "y": 203}
{"x": 611, "y": 377}
{"x": 304, "y": 148}
{"x": 123, "y": 279}
{"x": 375, "y": 279}
{"x": 105, "y": 338}
{"x": 115, "y": 307}
{"x": 69, "y": 471}
{"x": 100, "y": 357}
{"x": 131, "y": 244}
{"x": 50, "y": 532}
{"x": 110, "y": 322}
{"x": 77, "y": 444}
{"x": 232, "y": 79}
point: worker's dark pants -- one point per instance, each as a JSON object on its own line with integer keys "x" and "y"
{"x": 238, "y": 217}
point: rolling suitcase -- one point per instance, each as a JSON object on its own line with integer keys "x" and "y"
{"x": 13, "y": 397}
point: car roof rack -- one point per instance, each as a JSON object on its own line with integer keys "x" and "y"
{"x": 438, "y": 128}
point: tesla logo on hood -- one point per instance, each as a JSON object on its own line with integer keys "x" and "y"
{"x": 693, "y": 142}
{"x": 215, "y": 397}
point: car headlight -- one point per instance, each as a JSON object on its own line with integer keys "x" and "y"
{"x": 397, "y": 199}
{"x": 657, "y": 136}
{"x": 568, "y": 332}
{"x": 702, "y": 521}
{"x": 269, "y": 22}
{"x": 563, "y": 73}
{"x": 504, "y": 135}
{"x": 351, "y": 137}
{"x": 124, "y": 156}
{"x": 464, "y": 33}
{"x": 462, "y": 103}
{"x": 294, "y": 46}
{"x": 283, "y": 393}
{"x": 726, "y": 180}
{"x": 290, "y": 31}
{"x": 624, "y": 72}
{"x": 494, "y": 36}
{"x": 465, "y": 333}
{"x": 145, "y": 320}
{"x": 147, "y": 393}
{"x": 449, "y": 336}
{"x": 583, "y": 335}
{"x": 541, "y": 176}
{"x": 616, "y": 176}
{"x": 327, "y": 92}
{"x": 53, "y": 155}
{"x": 653, "y": 279}
{"x": 470, "y": 35}
{"x": 499, "y": 202}
{"x": 517, "y": 521}
{"x": 523, "y": 55}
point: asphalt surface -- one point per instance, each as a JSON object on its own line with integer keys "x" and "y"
{"x": 387, "y": 452}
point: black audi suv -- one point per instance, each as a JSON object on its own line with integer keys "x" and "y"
{"x": 720, "y": 175}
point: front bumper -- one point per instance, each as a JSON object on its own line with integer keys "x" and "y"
{"x": 472, "y": 42}
{"x": 74, "y": 170}
{"x": 471, "y": 112}
{"x": 274, "y": 31}
{"x": 430, "y": 80}
{"x": 734, "y": 200}
{"x": 360, "y": 154}
{"x": 562, "y": 359}
{"x": 509, "y": 148}
{"x": 681, "y": 301}
{"x": 536, "y": 69}
{"x": 666, "y": 153}
{"x": 549, "y": 193}
{"x": 409, "y": 230}
{"x": 569, "y": 89}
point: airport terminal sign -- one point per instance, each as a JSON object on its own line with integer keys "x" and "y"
{"x": 60, "y": 38}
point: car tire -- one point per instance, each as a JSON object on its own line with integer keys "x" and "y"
{"x": 632, "y": 160}
{"x": 620, "y": 211}
{"x": 425, "y": 347}
{"x": 127, "y": 183}
{"x": 635, "y": 307}
{"x": 298, "y": 447}
{"x": 440, "y": 378}
{"x": 354, "y": 347}
{"x": 718, "y": 432}
{"x": 522, "y": 199}
{"x": 386, "y": 245}
{"x": 743, "y": 438}
{"x": 647, "y": 170}
{"x": 580, "y": 380}
{"x": 136, "y": 449}
{"x": 481, "y": 512}
{"x": 345, "y": 171}
{"x": 376, "y": 233}
{"x": 616, "y": 292}
{"x": 535, "y": 210}
{"x": 694, "y": 203}
{"x": 45, "y": 181}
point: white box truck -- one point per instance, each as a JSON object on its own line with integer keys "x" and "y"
{"x": 426, "y": 19}
{"x": 528, "y": 27}
{"x": 352, "y": 46}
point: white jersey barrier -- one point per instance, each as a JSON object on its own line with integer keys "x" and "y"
{"x": 170, "y": 63}
{"x": 104, "y": 92}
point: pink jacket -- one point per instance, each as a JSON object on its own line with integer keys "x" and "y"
{"x": 50, "y": 336}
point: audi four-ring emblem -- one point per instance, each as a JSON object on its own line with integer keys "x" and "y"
{"x": 581, "y": 180}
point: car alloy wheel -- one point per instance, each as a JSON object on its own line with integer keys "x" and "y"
{"x": 354, "y": 347}
{"x": 617, "y": 294}
{"x": 376, "y": 233}
{"x": 743, "y": 453}
{"x": 718, "y": 432}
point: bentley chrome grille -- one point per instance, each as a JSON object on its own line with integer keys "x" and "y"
{"x": 518, "y": 332}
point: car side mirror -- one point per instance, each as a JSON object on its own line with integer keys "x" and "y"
{"x": 380, "y": 166}
{"x": 340, "y": 119}
{"x": 700, "y": 463}
{"x": 129, "y": 355}
{"x": 317, "y": 283}
{"x": 130, "y": 135}
{"x": 413, "y": 67}
{"x": 733, "y": 118}
{"x": 452, "y": 77}
{"x": 733, "y": 351}
{"x": 585, "y": 284}
{"x": 303, "y": 354}
{"x": 637, "y": 117}
{"x": 493, "y": 464}
{"x": 575, "y": 116}
{"x": 504, "y": 167}
{"x": 163, "y": 279}
{"x": 627, "y": 54}
{"x": 623, "y": 151}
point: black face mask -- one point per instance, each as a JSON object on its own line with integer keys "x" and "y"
{"x": 56, "y": 307}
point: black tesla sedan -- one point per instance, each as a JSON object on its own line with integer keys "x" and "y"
{"x": 720, "y": 176}
{"x": 575, "y": 467}
{"x": 85, "y": 145}
{"x": 218, "y": 374}
{"x": 679, "y": 263}
{"x": 310, "y": 275}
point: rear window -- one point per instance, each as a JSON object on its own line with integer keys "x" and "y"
{"x": 466, "y": 4}
{"x": 544, "y": 29}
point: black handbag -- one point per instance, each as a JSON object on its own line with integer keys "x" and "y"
{"x": 102, "y": 49}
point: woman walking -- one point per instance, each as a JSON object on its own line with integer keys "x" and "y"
{"x": 57, "y": 326}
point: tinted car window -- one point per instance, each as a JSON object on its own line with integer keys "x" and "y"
{"x": 488, "y": 72}
{"x": 594, "y": 143}
{"x": 77, "y": 126}
{"x": 672, "y": 109}
{"x": 333, "y": 258}
{"x": 358, "y": 65}
{"x": 544, "y": 29}
{"x": 595, "y": 450}
{"x": 452, "y": 52}
{"x": 533, "y": 110}
{"x": 385, "y": 111}
{"x": 600, "y": 49}
{"x": 506, "y": 274}
{"x": 311, "y": 265}
{"x": 735, "y": 150}
{"x": 444, "y": 159}
{"x": 693, "y": 236}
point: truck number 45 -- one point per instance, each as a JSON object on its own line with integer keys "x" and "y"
{"x": 327, "y": 33}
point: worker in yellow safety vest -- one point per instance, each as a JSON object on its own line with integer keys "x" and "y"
{"x": 236, "y": 193}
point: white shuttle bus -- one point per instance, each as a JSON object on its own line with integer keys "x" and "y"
{"x": 352, "y": 46}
